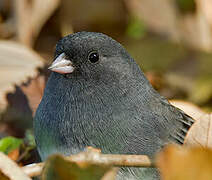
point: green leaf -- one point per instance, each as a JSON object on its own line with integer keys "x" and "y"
{"x": 9, "y": 144}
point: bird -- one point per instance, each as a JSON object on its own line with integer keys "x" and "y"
{"x": 96, "y": 95}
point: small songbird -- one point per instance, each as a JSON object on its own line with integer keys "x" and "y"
{"x": 98, "y": 96}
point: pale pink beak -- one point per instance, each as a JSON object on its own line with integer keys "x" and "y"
{"x": 62, "y": 65}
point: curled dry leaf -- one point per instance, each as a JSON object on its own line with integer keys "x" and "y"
{"x": 200, "y": 133}
{"x": 34, "y": 91}
{"x": 58, "y": 167}
{"x": 206, "y": 7}
{"x": 189, "y": 108}
{"x": 31, "y": 16}
{"x": 14, "y": 155}
{"x": 180, "y": 163}
{"x": 10, "y": 170}
{"x": 17, "y": 63}
{"x": 41, "y": 12}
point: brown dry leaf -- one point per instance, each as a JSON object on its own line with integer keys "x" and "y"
{"x": 41, "y": 12}
{"x": 206, "y": 6}
{"x": 104, "y": 16}
{"x": 178, "y": 163}
{"x": 193, "y": 29}
{"x": 163, "y": 20}
{"x": 196, "y": 30}
{"x": 14, "y": 154}
{"x": 31, "y": 16}
{"x": 189, "y": 108}
{"x": 110, "y": 175}
{"x": 200, "y": 133}
{"x": 58, "y": 167}
{"x": 34, "y": 91}
{"x": 10, "y": 170}
{"x": 17, "y": 63}
{"x": 22, "y": 103}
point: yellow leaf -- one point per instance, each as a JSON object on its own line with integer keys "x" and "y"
{"x": 178, "y": 163}
{"x": 58, "y": 167}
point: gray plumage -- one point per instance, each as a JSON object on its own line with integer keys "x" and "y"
{"x": 108, "y": 105}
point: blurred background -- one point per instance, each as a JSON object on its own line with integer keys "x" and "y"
{"x": 171, "y": 40}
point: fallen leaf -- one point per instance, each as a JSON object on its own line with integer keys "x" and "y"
{"x": 34, "y": 91}
{"x": 17, "y": 64}
{"x": 178, "y": 163}
{"x": 92, "y": 157}
{"x": 206, "y": 6}
{"x": 58, "y": 167}
{"x": 31, "y": 16}
{"x": 22, "y": 104}
{"x": 41, "y": 12}
{"x": 9, "y": 169}
{"x": 200, "y": 134}
{"x": 14, "y": 154}
{"x": 192, "y": 110}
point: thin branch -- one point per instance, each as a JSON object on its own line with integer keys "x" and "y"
{"x": 94, "y": 156}
{"x": 33, "y": 170}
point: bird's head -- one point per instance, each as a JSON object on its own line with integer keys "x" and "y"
{"x": 90, "y": 55}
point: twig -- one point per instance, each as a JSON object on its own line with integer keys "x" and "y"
{"x": 93, "y": 156}
{"x": 33, "y": 170}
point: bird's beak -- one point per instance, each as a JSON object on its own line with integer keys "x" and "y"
{"x": 62, "y": 65}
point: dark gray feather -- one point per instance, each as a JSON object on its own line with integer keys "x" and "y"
{"x": 108, "y": 105}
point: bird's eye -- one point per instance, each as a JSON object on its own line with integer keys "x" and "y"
{"x": 93, "y": 57}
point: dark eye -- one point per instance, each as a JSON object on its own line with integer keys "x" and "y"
{"x": 93, "y": 57}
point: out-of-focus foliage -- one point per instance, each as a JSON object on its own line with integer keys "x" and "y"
{"x": 186, "y": 6}
{"x": 136, "y": 28}
{"x": 29, "y": 138}
{"x": 9, "y": 144}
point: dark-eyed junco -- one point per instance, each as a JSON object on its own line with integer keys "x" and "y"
{"x": 98, "y": 96}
